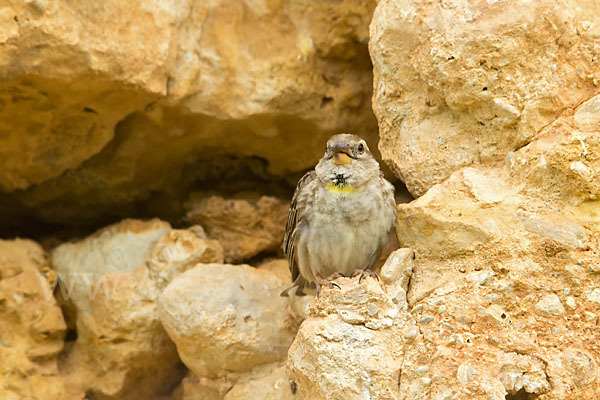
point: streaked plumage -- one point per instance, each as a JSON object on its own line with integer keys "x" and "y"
{"x": 340, "y": 215}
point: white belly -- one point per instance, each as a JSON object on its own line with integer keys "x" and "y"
{"x": 345, "y": 234}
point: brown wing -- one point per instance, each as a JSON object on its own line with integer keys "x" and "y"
{"x": 295, "y": 217}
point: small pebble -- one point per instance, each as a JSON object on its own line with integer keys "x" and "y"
{"x": 417, "y": 308}
{"x": 372, "y": 309}
{"x": 425, "y": 319}
{"x": 594, "y": 296}
{"x": 422, "y": 370}
{"x": 426, "y": 381}
{"x": 412, "y": 332}
{"x": 589, "y": 316}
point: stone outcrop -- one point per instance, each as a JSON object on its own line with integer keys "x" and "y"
{"x": 506, "y": 271}
{"x": 91, "y": 92}
{"x": 502, "y": 294}
{"x": 460, "y": 83}
{"x": 32, "y": 327}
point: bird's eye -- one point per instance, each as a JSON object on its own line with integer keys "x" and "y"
{"x": 361, "y": 148}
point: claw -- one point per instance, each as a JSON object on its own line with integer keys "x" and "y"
{"x": 320, "y": 282}
{"x": 364, "y": 273}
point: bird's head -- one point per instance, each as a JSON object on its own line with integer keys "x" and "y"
{"x": 347, "y": 161}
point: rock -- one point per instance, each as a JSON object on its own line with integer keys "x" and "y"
{"x": 274, "y": 386}
{"x": 121, "y": 350}
{"x": 177, "y": 251}
{"x": 398, "y": 269}
{"x": 465, "y": 374}
{"x": 269, "y": 382}
{"x": 588, "y": 114}
{"x": 572, "y": 235}
{"x": 336, "y": 358}
{"x": 520, "y": 372}
{"x": 278, "y": 266}
{"x": 244, "y": 228}
{"x": 594, "y": 296}
{"x": 458, "y": 84}
{"x": 226, "y": 318}
{"x": 195, "y": 388}
{"x": 119, "y": 248}
{"x": 549, "y": 306}
{"x": 502, "y": 299}
{"x": 204, "y": 83}
{"x": 32, "y": 328}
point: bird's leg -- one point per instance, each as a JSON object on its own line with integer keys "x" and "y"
{"x": 325, "y": 282}
{"x": 364, "y": 273}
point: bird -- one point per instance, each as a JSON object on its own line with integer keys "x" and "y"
{"x": 340, "y": 217}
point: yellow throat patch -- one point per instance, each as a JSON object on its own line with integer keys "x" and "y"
{"x": 341, "y": 188}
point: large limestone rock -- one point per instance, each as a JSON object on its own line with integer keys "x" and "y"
{"x": 91, "y": 90}
{"x": 112, "y": 280}
{"x": 245, "y": 227}
{"x": 232, "y": 330}
{"x": 459, "y": 83}
{"x": 227, "y": 318}
{"x": 32, "y": 327}
{"x": 506, "y": 272}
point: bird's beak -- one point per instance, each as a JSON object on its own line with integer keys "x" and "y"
{"x": 341, "y": 155}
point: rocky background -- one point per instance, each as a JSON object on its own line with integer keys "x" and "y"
{"x": 149, "y": 150}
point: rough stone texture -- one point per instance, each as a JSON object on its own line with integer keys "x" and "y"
{"x": 92, "y": 90}
{"x": 226, "y": 318}
{"x": 458, "y": 82}
{"x": 506, "y": 271}
{"x": 268, "y": 382}
{"x": 244, "y": 227}
{"x": 350, "y": 346}
{"x": 32, "y": 327}
{"x": 272, "y": 386}
{"x": 121, "y": 350}
{"x": 178, "y": 251}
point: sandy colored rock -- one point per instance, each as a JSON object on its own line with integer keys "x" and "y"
{"x": 179, "y": 250}
{"x": 267, "y": 381}
{"x": 91, "y": 93}
{"x": 459, "y": 83}
{"x": 492, "y": 305}
{"x": 121, "y": 350}
{"x": 32, "y": 328}
{"x": 244, "y": 227}
{"x": 273, "y": 386}
{"x": 351, "y": 344}
{"x": 227, "y": 318}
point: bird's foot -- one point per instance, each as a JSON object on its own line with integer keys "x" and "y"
{"x": 363, "y": 274}
{"x": 320, "y": 282}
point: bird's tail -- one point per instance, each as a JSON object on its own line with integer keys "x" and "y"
{"x": 298, "y": 292}
{"x": 300, "y": 283}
